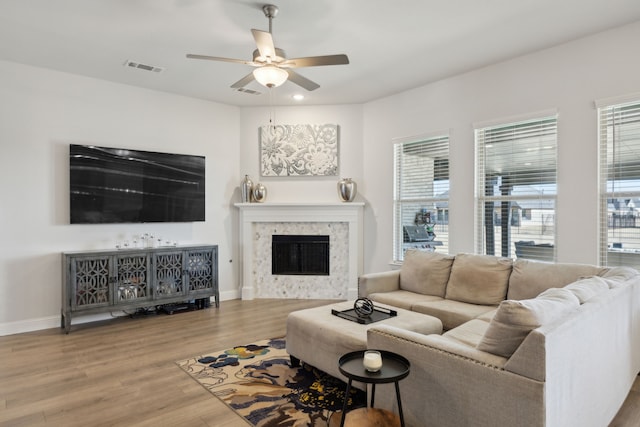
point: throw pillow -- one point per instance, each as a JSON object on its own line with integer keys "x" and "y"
{"x": 425, "y": 272}
{"x": 515, "y": 319}
{"x": 588, "y": 287}
{"x": 479, "y": 279}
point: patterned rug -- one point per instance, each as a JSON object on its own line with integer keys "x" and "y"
{"x": 258, "y": 382}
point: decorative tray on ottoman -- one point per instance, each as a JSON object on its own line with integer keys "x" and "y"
{"x": 365, "y": 312}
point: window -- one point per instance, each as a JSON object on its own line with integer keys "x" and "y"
{"x": 619, "y": 136}
{"x": 421, "y": 196}
{"x": 516, "y": 189}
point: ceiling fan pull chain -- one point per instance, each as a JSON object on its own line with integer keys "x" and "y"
{"x": 272, "y": 113}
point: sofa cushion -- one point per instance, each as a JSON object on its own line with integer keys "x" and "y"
{"x": 402, "y": 299}
{"x": 452, "y": 313}
{"x": 487, "y": 316}
{"x": 425, "y": 272}
{"x": 469, "y": 333}
{"x": 479, "y": 279}
{"x": 529, "y": 278}
{"x": 585, "y": 289}
{"x": 515, "y": 319}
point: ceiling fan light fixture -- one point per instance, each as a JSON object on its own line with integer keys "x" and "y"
{"x": 270, "y": 76}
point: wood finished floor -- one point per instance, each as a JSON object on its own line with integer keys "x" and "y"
{"x": 123, "y": 373}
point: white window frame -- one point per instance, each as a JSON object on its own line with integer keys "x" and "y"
{"x": 619, "y": 138}
{"x": 439, "y": 147}
{"x": 540, "y": 130}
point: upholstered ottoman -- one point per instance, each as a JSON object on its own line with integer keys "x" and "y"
{"x": 319, "y": 338}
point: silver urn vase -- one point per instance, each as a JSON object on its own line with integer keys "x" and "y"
{"x": 347, "y": 189}
{"x": 246, "y": 188}
{"x": 259, "y": 193}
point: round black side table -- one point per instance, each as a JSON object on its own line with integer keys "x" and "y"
{"x": 394, "y": 368}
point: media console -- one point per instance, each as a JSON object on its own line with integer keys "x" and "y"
{"x": 120, "y": 280}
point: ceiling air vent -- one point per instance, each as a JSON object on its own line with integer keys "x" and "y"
{"x": 249, "y": 91}
{"x": 145, "y": 67}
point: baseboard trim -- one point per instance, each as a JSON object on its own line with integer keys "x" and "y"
{"x": 29, "y": 325}
{"x": 50, "y": 322}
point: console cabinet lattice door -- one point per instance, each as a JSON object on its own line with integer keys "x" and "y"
{"x": 103, "y": 281}
{"x": 201, "y": 269}
{"x": 132, "y": 278}
{"x": 169, "y": 271}
{"x": 90, "y": 282}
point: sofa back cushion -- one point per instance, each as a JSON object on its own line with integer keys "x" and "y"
{"x": 587, "y": 288}
{"x": 479, "y": 279}
{"x": 617, "y": 276}
{"x": 529, "y": 278}
{"x": 515, "y": 319}
{"x": 425, "y": 272}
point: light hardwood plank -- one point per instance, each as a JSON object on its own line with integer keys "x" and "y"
{"x": 122, "y": 372}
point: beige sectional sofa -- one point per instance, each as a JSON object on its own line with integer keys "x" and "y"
{"x": 526, "y": 343}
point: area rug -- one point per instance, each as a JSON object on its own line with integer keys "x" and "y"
{"x": 257, "y": 381}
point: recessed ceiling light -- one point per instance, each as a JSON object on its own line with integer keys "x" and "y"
{"x": 298, "y": 97}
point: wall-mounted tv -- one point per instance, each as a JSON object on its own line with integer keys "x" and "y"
{"x": 116, "y": 185}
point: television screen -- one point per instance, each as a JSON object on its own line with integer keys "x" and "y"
{"x": 115, "y": 185}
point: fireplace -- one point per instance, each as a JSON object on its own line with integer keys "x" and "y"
{"x": 300, "y": 255}
{"x": 341, "y": 222}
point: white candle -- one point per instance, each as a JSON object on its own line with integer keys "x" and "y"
{"x": 372, "y": 360}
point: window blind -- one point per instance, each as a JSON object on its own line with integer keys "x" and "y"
{"x": 516, "y": 187}
{"x": 619, "y": 142}
{"x": 421, "y": 192}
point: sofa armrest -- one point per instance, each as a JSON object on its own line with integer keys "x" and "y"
{"x": 386, "y": 281}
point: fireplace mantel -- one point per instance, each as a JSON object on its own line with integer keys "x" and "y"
{"x": 251, "y": 214}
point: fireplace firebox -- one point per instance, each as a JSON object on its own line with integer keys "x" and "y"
{"x": 300, "y": 255}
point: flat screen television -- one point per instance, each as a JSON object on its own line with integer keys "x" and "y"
{"x": 116, "y": 185}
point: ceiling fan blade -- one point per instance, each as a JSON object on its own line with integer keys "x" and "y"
{"x": 314, "y": 61}
{"x": 264, "y": 41}
{"x": 302, "y": 81}
{"x": 218, "y": 58}
{"x": 243, "y": 81}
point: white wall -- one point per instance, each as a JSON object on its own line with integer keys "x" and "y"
{"x": 568, "y": 78}
{"x": 41, "y": 113}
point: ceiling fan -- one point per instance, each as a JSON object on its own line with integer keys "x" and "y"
{"x": 272, "y": 66}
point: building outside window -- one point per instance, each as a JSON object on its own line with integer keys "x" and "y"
{"x": 516, "y": 189}
{"x": 421, "y": 195}
{"x": 619, "y": 141}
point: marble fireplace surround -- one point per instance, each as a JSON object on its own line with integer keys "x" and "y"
{"x": 343, "y": 222}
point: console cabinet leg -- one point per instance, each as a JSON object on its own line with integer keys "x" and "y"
{"x": 65, "y": 322}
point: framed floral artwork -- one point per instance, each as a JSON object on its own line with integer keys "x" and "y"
{"x": 299, "y": 150}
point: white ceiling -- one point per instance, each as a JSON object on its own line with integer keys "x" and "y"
{"x": 392, "y": 46}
